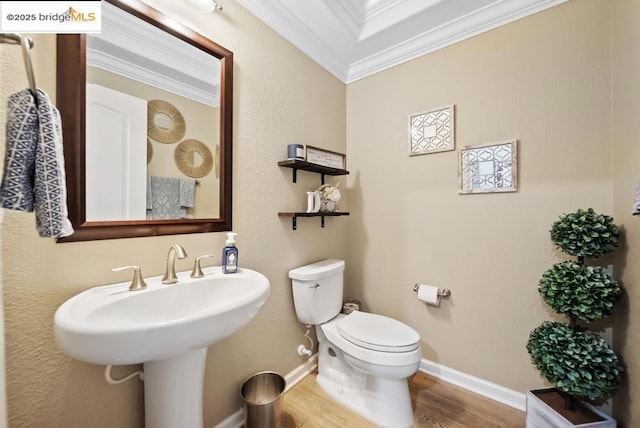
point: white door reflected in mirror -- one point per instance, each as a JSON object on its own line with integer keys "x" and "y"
{"x": 116, "y": 147}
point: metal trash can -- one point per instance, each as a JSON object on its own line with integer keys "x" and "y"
{"x": 350, "y": 305}
{"x": 263, "y": 395}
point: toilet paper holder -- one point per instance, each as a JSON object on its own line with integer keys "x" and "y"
{"x": 442, "y": 292}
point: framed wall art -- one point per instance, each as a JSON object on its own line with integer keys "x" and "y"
{"x": 432, "y": 131}
{"x": 488, "y": 168}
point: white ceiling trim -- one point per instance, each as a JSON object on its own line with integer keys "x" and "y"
{"x": 352, "y": 18}
{"x": 385, "y": 14}
{"x": 296, "y": 32}
{"x": 464, "y": 27}
{"x": 343, "y": 57}
{"x": 137, "y": 50}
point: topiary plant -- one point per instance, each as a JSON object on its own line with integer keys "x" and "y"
{"x": 585, "y": 234}
{"x": 586, "y": 293}
{"x": 579, "y": 362}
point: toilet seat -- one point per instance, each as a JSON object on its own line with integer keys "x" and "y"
{"x": 330, "y": 331}
{"x": 378, "y": 333}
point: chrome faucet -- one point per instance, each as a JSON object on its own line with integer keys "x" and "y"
{"x": 170, "y": 270}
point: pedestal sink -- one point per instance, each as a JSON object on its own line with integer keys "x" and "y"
{"x": 166, "y": 327}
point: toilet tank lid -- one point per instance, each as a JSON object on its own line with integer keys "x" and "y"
{"x": 317, "y": 270}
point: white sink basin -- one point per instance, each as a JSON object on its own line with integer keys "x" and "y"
{"x": 112, "y": 325}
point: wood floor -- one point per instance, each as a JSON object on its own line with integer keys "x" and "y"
{"x": 436, "y": 404}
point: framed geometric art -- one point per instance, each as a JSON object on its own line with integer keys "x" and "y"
{"x": 488, "y": 168}
{"x": 432, "y": 131}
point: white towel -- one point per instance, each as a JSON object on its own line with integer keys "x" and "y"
{"x": 33, "y": 176}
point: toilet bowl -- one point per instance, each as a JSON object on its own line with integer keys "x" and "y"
{"x": 364, "y": 359}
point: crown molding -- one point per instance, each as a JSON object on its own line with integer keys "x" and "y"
{"x": 462, "y": 28}
{"x": 144, "y": 53}
{"x": 280, "y": 19}
{"x": 374, "y": 26}
{"x": 383, "y": 15}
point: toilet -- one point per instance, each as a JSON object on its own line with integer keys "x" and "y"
{"x": 364, "y": 359}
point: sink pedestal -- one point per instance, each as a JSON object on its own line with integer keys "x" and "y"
{"x": 173, "y": 391}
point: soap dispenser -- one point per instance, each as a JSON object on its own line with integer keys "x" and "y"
{"x": 230, "y": 254}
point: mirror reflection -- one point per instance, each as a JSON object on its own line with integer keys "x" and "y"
{"x": 152, "y": 124}
{"x": 157, "y": 98}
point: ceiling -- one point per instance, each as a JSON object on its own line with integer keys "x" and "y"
{"x": 356, "y": 38}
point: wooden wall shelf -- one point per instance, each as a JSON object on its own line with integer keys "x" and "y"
{"x": 296, "y": 164}
{"x": 294, "y": 216}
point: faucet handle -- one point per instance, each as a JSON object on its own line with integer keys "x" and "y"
{"x": 197, "y": 271}
{"x": 137, "y": 283}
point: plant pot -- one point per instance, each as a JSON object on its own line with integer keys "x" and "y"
{"x": 546, "y": 409}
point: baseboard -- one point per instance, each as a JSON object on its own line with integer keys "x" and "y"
{"x": 493, "y": 391}
{"x": 300, "y": 372}
{"x": 236, "y": 419}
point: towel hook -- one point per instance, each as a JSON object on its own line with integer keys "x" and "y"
{"x": 26, "y": 43}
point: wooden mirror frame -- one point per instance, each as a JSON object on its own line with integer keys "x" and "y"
{"x": 71, "y": 100}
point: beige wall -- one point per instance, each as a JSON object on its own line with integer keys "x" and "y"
{"x": 48, "y": 389}
{"x": 626, "y": 173}
{"x": 543, "y": 80}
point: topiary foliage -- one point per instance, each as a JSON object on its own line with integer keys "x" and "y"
{"x": 585, "y": 234}
{"x": 579, "y": 362}
{"x": 586, "y": 293}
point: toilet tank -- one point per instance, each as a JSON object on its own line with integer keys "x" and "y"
{"x": 317, "y": 290}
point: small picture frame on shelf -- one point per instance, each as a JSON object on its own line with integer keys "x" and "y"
{"x": 326, "y": 158}
{"x": 488, "y": 168}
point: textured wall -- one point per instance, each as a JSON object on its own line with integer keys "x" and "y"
{"x": 626, "y": 173}
{"x": 281, "y": 97}
{"x": 544, "y": 81}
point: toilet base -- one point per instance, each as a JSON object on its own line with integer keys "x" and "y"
{"x": 385, "y": 402}
{"x": 377, "y": 393}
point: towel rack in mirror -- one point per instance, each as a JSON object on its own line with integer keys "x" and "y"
{"x": 26, "y": 43}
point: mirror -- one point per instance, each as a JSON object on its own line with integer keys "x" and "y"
{"x": 186, "y": 136}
